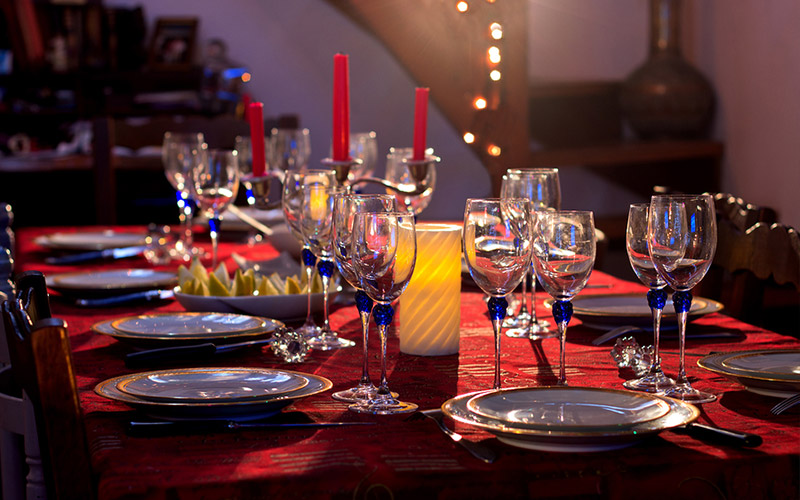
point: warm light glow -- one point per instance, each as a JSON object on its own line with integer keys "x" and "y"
{"x": 494, "y": 75}
{"x": 494, "y": 54}
{"x": 491, "y": 1}
{"x": 496, "y": 30}
{"x": 245, "y": 77}
{"x": 469, "y": 138}
{"x": 479, "y": 103}
{"x": 462, "y": 6}
{"x": 493, "y": 150}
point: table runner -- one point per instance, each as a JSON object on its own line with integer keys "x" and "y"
{"x": 400, "y": 459}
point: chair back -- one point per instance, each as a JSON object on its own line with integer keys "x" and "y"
{"x": 41, "y": 361}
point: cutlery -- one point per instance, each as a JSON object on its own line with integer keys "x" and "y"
{"x": 127, "y": 298}
{"x": 785, "y": 404}
{"x": 165, "y": 427}
{"x": 108, "y": 253}
{"x": 622, "y": 330}
{"x": 616, "y": 332}
{"x": 249, "y": 220}
{"x": 184, "y": 353}
{"x": 476, "y": 449}
{"x": 719, "y": 435}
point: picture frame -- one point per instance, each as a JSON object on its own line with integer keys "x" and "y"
{"x": 172, "y": 45}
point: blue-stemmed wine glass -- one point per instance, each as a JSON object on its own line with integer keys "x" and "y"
{"x": 497, "y": 248}
{"x": 682, "y": 233}
{"x": 563, "y": 255}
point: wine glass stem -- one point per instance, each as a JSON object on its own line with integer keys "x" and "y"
{"x": 326, "y": 281}
{"x": 383, "y": 388}
{"x": 562, "y": 355}
{"x": 533, "y": 298}
{"x": 523, "y": 308}
{"x": 213, "y": 224}
{"x": 496, "y": 327}
{"x": 682, "y": 348}
{"x": 309, "y": 276}
{"x": 655, "y": 367}
{"x": 365, "y": 334}
{"x": 188, "y": 210}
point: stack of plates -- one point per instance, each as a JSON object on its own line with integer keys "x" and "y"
{"x": 90, "y": 240}
{"x": 773, "y": 372}
{"x": 157, "y": 330}
{"x": 569, "y": 419}
{"x": 110, "y": 282}
{"x": 212, "y": 393}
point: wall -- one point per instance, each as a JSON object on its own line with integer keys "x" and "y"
{"x": 749, "y": 49}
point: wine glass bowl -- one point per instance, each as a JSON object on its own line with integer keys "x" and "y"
{"x": 399, "y": 172}
{"x": 178, "y": 155}
{"x": 497, "y": 250}
{"x": 384, "y": 251}
{"x": 682, "y": 234}
{"x": 564, "y": 251}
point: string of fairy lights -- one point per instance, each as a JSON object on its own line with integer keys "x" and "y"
{"x": 491, "y": 98}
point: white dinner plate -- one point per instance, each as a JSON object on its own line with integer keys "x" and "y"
{"x": 569, "y": 439}
{"x": 604, "y": 311}
{"x": 187, "y": 323}
{"x": 111, "y": 281}
{"x": 241, "y": 410}
{"x": 90, "y": 240}
{"x": 168, "y": 338}
{"x": 774, "y": 372}
{"x": 231, "y": 221}
{"x": 200, "y": 385}
{"x": 561, "y": 408}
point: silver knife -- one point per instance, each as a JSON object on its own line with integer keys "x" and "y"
{"x": 184, "y": 353}
{"x": 160, "y": 428}
{"x": 108, "y": 253}
{"x": 126, "y": 298}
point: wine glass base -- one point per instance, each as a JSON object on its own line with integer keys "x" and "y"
{"x": 530, "y": 333}
{"x": 654, "y": 382}
{"x": 309, "y": 330}
{"x": 329, "y": 341}
{"x": 689, "y": 394}
{"x": 391, "y": 406}
{"x": 521, "y": 320}
{"x": 358, "y": 394}
{"x": 541, "y": 326}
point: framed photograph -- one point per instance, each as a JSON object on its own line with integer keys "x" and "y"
{"x": 173, "y": 43}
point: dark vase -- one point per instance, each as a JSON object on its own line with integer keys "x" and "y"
{"x": 666, "y": 97}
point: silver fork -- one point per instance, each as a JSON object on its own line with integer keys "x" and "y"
{"x": 785, "y": 404}
{"x": 476, "y": 449}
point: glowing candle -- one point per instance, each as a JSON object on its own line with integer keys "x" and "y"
{"x": 429, "y": 314}
{"x": 341, "y": 108}
{"x": 420, "y": 122}
{"x": 256, "y": 116}
{"x": 318, "y": 200}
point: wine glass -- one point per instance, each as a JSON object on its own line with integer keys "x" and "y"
{"x": 682, "y": 233}
{"x": 384, "y": 254}
{"x": 638, "y": 250}
{"x": 542, "y": 187}
{"x": 563, "y": 255}
{"x": 397, "y": 171}
{"x": 178, "y": 155}
{"x": 290, "y": 148}
{"x": 292, "y": 205}
{"x": 497, "y": 248}
{"x": 316, "y": 224}
{"x": 256, "y": 188}
{"x": 363, "y": 146}
{"x": 216, "y": 184}
{"x": 345, "y": 207}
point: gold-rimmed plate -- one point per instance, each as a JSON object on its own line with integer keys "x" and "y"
{"x": 188, "y": 323}
{"x": 202, "y": 385}
{"x": 90, "y": 240}
{"x": 769, "y": 372}
{"x": 563, "y": 408}
{"x": 571, "y": 440}
{"x": 249, "y": 409}
{"x": 93, "y": 283}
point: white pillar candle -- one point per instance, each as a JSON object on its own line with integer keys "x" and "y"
{"x": 430, "y": 308}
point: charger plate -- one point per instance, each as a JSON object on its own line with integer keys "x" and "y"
{"x": 568, "y": 439}
{"x": 196, "y": 323}
{"x": 774, "y": 372}
{"x": 241, "y": 410}
{"x": 211, "y": 384}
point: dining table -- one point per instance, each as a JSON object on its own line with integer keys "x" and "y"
{"x": 400, "y": 457}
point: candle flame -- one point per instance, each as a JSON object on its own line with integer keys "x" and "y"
{"x": 479, "y": 103}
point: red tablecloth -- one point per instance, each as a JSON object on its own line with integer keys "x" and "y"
{"x": 401, "y": 459}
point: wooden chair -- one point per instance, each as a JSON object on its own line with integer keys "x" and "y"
{"x": 20, "y": 457}
{"x": 41, "y": 362}
{"x": 754, "y": 254}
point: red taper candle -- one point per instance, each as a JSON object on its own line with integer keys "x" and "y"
{"x": 256, "y": 117}
{"x": 341, "y": 108}
{"x": 420, "y": 123}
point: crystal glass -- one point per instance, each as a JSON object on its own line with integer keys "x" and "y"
{"x": 178, "y": 154}
{"x": 397, "y": 172}
{"x": 363, "y": 146}
{"x": 497, "y": 248}
{"x": 243, "y": 148}
{"x": 384, "y": 253}
{"x": 292, "y": 205}
{"x": 290, "y": 148}
{"x": 682, "y": 233}
{"x": 216, "y": 184}
{"x": 638, "y": 249}
{"x": 316, "y": 225}
{"x": 542, "y": 187}
{"x": 345, "y": 208}
{"x": 563, "y": 255}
